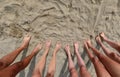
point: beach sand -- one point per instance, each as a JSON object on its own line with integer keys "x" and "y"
{"x": 59, "y": 20}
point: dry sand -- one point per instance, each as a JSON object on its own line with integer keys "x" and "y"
{"x": 59, "y": 20}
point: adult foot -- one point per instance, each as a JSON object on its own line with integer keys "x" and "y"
{"x": 80, "y": 60}
{"x": 89, "y": 43}
{"x": 58, "y": 46}
{"x": 76, "y": 45}
{"x": 97, "y": 38}
{"x": 48, "y": 43}
{"x": 26, "y": 41}
{"x": 102, "y": 35}
{"x": 47, "y": 47}
{"x": 67, "y": 50}
{"x": 37, "y": 48}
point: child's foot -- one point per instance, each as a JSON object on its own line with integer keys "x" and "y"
{"x": 37, "y": 48}
{"x": 26, "y": 41}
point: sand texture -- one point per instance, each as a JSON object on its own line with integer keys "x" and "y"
{"x": 59, "y": 20}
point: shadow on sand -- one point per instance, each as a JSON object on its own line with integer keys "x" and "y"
{"x": 31, "y": 68}
{"x": 22, "y": 73}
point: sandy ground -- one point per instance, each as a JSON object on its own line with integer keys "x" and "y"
{"x": 59, "y": 20}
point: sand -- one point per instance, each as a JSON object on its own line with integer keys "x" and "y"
{"x": 59, "y": 20}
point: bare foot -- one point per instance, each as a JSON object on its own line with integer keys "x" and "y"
{"x": 37, "y": 48}
{"x": 47, "y": 47}
{"x": 80, "y": 60}
{"x": 26, "y": 41}
{"x": 48, "y": 43}
{"x": 97, "y": 38}
{"x": 76, "y": 45}
{"x": 102, "y": 35}
{"x": 88, "y": 43}
{"x": 58, "y": 46}
{"x": 67, "y": 50}
{"x": 97, "y": 53}
{"x": 90, "y": 55}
